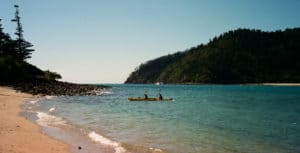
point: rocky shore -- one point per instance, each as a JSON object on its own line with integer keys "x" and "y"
{"x": 57, "y": 88}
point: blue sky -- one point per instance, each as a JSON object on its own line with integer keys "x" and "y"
{"x": 102, "y": 41}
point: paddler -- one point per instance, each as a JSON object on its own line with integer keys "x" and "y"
{"x": 145, "y": 95}
{"x": 160, "y": 97}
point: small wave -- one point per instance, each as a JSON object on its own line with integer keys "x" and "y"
{"x": 98, "y": 138}
{"x": 52, "y": 109}
{"x": 155, "y": 150}
{"x": 101, "y": 92}
{"x": 33, "y": 101}
{"x": 45, "y": 119}
{"x": 49, "y": 97}
{"x": 106, "y": 93}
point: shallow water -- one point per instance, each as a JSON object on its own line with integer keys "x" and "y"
{"x": 202, "y": 118}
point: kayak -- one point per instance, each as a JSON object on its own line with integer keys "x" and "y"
{"x": 149, "y": 99}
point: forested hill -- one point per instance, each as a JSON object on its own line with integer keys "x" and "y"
{"x": 239, "y": 56}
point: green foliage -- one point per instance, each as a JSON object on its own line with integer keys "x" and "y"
{"x": 14, "y": 70}
{"x": 149, "y": 72}
{"x": 19, "y": 48}
{"x": 239, "y": 56}
{"x": 22, "y": 47}
{"x": 6, "y": 43}
{"x": 51, "y": 75}
{"x": 13, "y": 53}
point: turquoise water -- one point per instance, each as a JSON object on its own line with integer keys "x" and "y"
{"x": 202, "y": 118}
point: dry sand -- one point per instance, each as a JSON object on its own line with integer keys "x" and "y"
{"x": 18, "y": 135}
{"x": 281, "y": 84}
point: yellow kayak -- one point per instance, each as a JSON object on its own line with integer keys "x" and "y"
{"x": 149, "y": 99}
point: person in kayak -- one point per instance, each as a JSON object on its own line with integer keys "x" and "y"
{"x": 145, "y": 95}
{"x": 160, "y": 97}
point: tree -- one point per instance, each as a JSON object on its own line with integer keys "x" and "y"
{"x": 6, "y": 43}
{"x": 51, "y": 75}
{"x": 22, "y": 46}
{"x": 2, "y": 39}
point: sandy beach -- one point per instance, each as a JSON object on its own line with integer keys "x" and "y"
{"x": 281, "y": 84}
{"x": 18, "y": 135}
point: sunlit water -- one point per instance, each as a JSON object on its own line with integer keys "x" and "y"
{"x": 202, "y": 118}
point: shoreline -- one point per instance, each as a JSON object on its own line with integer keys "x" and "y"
{"x": 281, "y": 84}
{"x": 20, "y": 131}
{"x": 79, "y": 139}
{"x": 20, "y": 135}
{"x": 266, "y": 84}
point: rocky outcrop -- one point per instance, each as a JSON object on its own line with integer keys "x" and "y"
{"x": 57, "y": 88}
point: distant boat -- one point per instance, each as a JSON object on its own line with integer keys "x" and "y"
{"x": 149, "y": 99}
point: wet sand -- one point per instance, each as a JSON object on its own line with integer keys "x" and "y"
{"x": 20, "y": 135}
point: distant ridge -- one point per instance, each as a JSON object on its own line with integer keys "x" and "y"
{"x": 238, "y": 56}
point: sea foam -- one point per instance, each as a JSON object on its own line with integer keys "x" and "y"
{"x": 98, "y": 138}
{"x": 49, "y": 97}
{"x": 52, "y": 109}
{"x": 156, "y": 150}
{"x": 45, "y": 119}
{"x": 33, "y": 101}
{"x": 101, "y": 92}
{"x": 105, "y": 93}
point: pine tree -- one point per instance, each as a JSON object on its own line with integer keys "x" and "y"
{"x": 6, "y": 44}
{"x": 22, "y": 46}
{"x": 2, "y": 39}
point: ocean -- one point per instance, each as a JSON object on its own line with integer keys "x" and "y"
{"x": 200, "y": 119}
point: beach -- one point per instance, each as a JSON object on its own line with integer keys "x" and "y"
{"x": 281, "y": 84}
{"x": 18, "y": 134}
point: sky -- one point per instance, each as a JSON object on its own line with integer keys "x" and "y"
{"x": 103, "y": 41}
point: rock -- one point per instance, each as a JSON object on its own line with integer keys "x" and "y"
{"x": 57, "y": 88}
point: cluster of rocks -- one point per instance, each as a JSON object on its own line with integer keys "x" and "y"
{"x": 57, "y": 88}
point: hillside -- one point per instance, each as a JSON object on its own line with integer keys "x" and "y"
{"x": 239, "y": 56}
{"x": 13, "y": 70}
